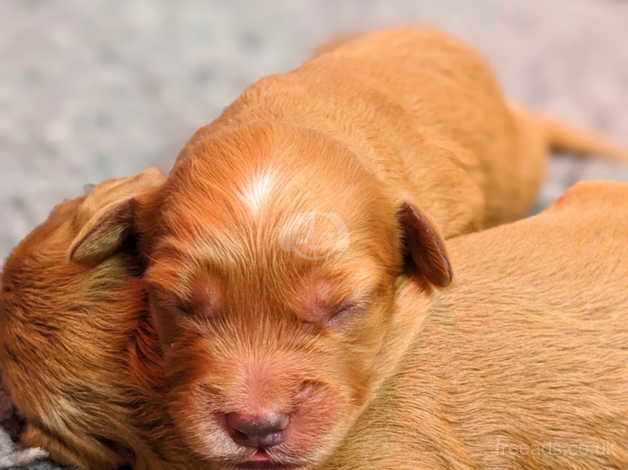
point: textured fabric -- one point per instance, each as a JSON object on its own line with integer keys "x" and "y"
{"x": 91, "y": 90}
{"x": 11, "y": 454}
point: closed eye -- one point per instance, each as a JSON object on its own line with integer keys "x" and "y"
{"x": 169, "y": 302}
{"x": 348, "y": 308}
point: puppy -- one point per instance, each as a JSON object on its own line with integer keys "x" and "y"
{"x": 275, "y": 248}
{"x": 523, "y": 362}
{"x": 78, "y": 354}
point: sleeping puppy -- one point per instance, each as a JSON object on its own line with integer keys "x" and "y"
{"x": 523, "y": 362}
{"x": 78, "y": 354}
{"x": 276, "y": 246}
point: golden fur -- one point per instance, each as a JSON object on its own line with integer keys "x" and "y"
{"x": 77, "y": 351}
{"x": 422, "y": 112}
{"x": 275, "y": 246}
{"x": 522, "y": 362}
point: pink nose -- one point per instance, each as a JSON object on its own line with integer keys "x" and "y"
{"x": 259, "y": 432}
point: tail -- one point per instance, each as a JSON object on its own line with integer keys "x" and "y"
{"x": 563, "y": 137}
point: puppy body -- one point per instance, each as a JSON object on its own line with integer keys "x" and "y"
{"x": 78, "y": 355}
{"x": 522, "y": 363}
{"x": 420, "y": 111}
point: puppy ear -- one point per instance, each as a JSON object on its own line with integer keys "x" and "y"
{"x": 104, "y": 234}
{"x": 106, "y": 217}
{"x": 424, "y": 246}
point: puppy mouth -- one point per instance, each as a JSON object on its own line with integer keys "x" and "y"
{"x": 261, "y": 460}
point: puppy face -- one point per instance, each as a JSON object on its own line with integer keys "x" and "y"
{"x": 273, "y": 257}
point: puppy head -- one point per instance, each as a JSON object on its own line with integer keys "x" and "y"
{"x": 273, "y": 257}
{"x": 65, "y": 329}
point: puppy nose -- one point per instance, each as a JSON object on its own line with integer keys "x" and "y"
{"x": 260, "y": 431}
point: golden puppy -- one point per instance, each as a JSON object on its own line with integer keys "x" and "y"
{"x": 77, "y": 352}
{"x": 276, "y": 245}
{"x": 523, "y": 362}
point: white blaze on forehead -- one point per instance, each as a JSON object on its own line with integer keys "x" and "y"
{"x": 258, "y": 189}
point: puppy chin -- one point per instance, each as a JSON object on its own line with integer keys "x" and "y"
{"x": 315, "y": 429}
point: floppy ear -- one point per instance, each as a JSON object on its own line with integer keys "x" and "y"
{"x": 106, "y": 217}
{"x": 424, "y": 246}
{"x": 103, "y": 234}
